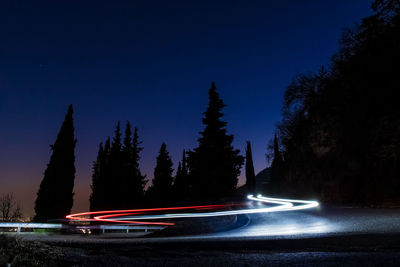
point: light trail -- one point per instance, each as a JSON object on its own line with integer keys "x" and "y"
{"x": 308, "y": 204}
{"x": 282, "y": 205}
{"x": 125, "y": 216}
{"x": 116, "y": 213}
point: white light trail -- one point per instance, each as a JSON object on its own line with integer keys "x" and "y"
{"x": 308, "y": 204}
{"x": 30, "y": 225}
{"x": 283, "y": 205}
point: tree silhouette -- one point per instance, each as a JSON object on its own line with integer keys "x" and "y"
{"x": 161, "y": 189}
{"x": 276, "y": 168}
{"x": 214, "y": 165}
{"x": 98, "y": 184}
{"x": 10, "y": 210}
{"x": 181, "y": 183}
{"x": 137, "y": 181}
{"x": 99, "y": 199}
{"x": 340, "y": 129}
{"x": 55, "y": 196}
{"x": 117, "y": 182}
{"x": 250, "y": 175}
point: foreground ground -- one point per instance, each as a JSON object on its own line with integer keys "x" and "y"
{"x": 324, "y": 237}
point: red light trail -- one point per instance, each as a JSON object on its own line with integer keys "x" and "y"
{"x": 135, "y": 216}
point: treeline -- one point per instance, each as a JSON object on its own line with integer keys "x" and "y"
{"x": 339, "y": 139}
{"x": 208, "y": 173}
{"x": 117, "y": 179}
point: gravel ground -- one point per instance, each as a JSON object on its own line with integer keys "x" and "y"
{"x": 201, "y": 258}
{"x": 324, "y": 237}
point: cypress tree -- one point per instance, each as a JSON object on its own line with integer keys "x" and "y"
{"x": 106, "y": 172}
{"x": 276, "y": 168}
{"x": 116, "y": 146}
{"x": 99, "y": 199}
{"x": 127, "y": 168}
{"x": 138, "y": 180}
{"x": 55, "y": 195}
{"x": 250, "y": 175}
{"x": 116, "y": 181}
{"x": 214, "y": 164}
{"x": 97, "y": 182}
{"x": 161, "y": 189}
{"x": 127, "y": 148}
{"x": 181, "y": 183}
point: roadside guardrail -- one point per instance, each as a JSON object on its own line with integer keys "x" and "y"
{"x": 103, "y": 228}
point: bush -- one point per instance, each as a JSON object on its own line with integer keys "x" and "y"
{"x": 18, "y": 252}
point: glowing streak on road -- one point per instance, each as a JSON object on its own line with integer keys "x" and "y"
{"x": 308, "y": 204}
{"x": 125, "y": 216}
{"x": 119, "y": 213}
{"x": 283, "y": 205}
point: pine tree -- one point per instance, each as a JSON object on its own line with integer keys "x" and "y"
{"x": 214, "y": 164}
{"x": 181, "y": 183}
{"x": 55, "y": 196}
{"x": 250, "y": 175}
{"x": 161, "y": 189}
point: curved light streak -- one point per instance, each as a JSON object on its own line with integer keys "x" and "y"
{"x": 282, "y": 205}
{"x": 125, "y": 216}
{"x": 116, "y": 213}
{"x": 307, "y": 204}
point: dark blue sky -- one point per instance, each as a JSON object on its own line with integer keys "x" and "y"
{"x": 150, "y": 62}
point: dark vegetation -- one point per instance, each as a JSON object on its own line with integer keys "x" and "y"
{"x": 55, "y": 196}
{"x": 181, "y": 187}
{"x": 214, "y": 165}
{"x": 117, "y": 180}
{"x": 209, "y": 172}
{"x": 10, "y": 210}
{"x": 250, "y": 175}
{"x": 160, "y": 193}
{"x": 17, "y": 252}
{"x": 340, "y": 132}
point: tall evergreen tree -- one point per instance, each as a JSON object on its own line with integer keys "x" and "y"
{"x": 127, "y": 147}
{"x": 161, "y": 189}
{"x": 214, "y": 164}
{"x": 106, "y": 173}
{"x": 97, "y": 181}
{"x": 250, "y": 175}
{"x": 137, "y": 180}
{"x": 127, "y": 172}
{"x": 55, "y": 196}
{"x": 117, "y": 179}
{"x": 117, "y": 183}
{"x": 181, "y": 183}
{"x": 276, "y": 168}
{"x": 277, "y": 154}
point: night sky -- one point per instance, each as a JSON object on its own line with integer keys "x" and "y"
{"x": 150, "y": 62}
